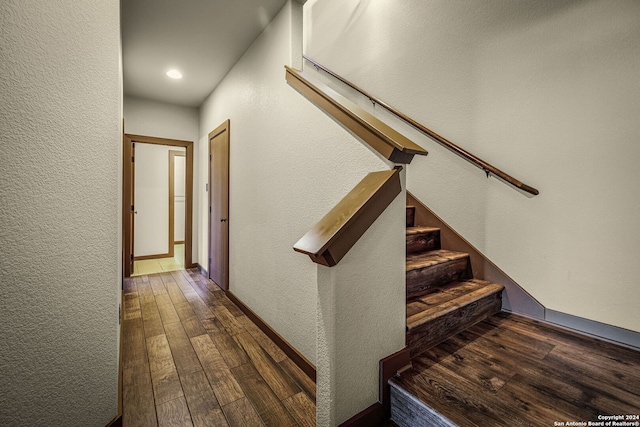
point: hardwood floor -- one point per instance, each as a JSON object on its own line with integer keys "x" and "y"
{"x": 508, "y": 370}
{"x": 192, "y": 358}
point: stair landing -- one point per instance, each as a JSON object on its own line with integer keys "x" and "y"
{"x": 508, "y": 370}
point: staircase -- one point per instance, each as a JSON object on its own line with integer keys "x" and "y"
{"x": 443, "y": 299}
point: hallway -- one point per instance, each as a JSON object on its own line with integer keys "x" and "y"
{"x": 192, "y": 358}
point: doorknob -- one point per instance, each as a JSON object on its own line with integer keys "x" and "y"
{"x": 223, "y": 219}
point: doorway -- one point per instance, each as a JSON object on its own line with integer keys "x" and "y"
{"x": 218, "y": 267}
{"x": 130, "y": 210}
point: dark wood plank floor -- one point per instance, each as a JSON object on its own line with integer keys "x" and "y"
{"x": 508, "y": 370}
{"x": 192, "y": 358}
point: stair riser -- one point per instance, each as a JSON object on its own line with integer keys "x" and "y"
{"x": 407, "y": 411}
{"x": 422, "y": 281}
{"x": 411, "y": 214}
{"x": 434, "y": 332}
{"x": 423, "y": 242}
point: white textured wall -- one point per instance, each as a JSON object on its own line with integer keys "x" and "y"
{"x": 159, "y": 119}
{"x": 289, "y": 164}
{"x": 151, "y": 231}
{"x": 361, "y": 317}
{"x": 152, "y": 118}
{"x": 547, "y": 91}
{"x": 60, "y": 258}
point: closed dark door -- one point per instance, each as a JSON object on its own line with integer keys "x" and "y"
{"x": 219, "y": 205}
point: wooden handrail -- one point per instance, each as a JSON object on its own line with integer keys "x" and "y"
{"x": 380, "y": 136}
{"x": 488, "y": 168}
{"x": 331, "y": 238}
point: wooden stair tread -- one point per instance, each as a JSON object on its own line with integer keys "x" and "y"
{"x": 421, "y": 230}
{"x": 422, "y": 239}
{"x": 427, "y": 259}
{"x": 476, "y": 290}
{"x": 442, "y": 294}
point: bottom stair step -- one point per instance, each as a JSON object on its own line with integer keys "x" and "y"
{"x": 511, "y": 371}
{"x": 453, "y": 308}
{"x": 408, "y": 410}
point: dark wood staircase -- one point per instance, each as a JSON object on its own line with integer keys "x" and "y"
{"x": 443, "y": 299}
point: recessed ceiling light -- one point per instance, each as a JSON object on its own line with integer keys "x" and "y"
{"x": 174, "y": 74}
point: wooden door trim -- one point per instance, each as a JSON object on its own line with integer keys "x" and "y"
{"x": 126, "y": 207}
{"x": 224, "y": 127}
{"x": 155, "y": 256}
{"x": 172, "y": 155}
{"x": 126, "y": 234}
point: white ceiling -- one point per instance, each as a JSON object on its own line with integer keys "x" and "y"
{"x": 201, "y": 38}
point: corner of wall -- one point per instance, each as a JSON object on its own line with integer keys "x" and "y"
{"x": 296, "y": 34}
{"x": 352, "y": 335}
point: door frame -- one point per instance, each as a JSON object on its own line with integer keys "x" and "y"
{"x": 224, "y": 127}
{"x": 128, "y": 194}
{"x": 127, "y": 205}
{"x": 172, "y": 178}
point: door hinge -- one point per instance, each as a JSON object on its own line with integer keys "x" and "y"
{"x": 209, "y": 209}
{"x": 133, "y": 159}
{"x": 132, "y": 208}
{"x": 131, "y": 257}
{"x": 209, "y": 157}
{"x": 119, "y": 314}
